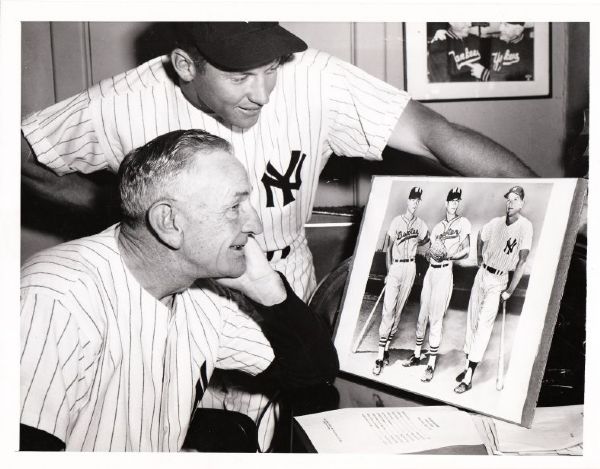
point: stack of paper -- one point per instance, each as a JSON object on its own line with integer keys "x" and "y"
{"x": 389, "y": 430}
{"x": 555, "y": 430}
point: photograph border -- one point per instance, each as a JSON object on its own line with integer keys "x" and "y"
{"x": 344, "y": 335}
{"x": 417, "y": 85}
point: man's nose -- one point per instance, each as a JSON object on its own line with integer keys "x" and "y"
{"x": 252, "y": 223}
{"x": 260, "y": 91}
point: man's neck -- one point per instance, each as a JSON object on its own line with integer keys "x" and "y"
{"x": 450, "y": 216}
{"x": 191, "y": 96}
{"x": 148, "y": 262}
{"x": 409, "y": 215}
{"x": 512, "y": 219}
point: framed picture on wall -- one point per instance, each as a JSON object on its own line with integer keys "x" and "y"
{"x": 455, "y": 287}
{"x": 477, "y": 60}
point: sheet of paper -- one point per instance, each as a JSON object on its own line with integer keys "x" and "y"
{"x": 389, "y": 429}
{"x": 553, "y": 428}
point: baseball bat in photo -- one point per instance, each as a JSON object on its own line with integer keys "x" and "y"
{"x": 500, "y": 375}
{"x": 364, "y": 329}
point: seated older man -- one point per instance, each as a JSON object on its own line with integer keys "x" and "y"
{"x": 119, "y": 337}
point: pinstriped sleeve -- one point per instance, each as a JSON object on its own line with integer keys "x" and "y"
{"x": 363, "y": 111}
{"x": 243, "y": 345}
{"x": 65, "y": 138}
{"x": 53, "y": 382}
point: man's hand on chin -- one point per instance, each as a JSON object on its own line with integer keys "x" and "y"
{"x": 259, "y": 282}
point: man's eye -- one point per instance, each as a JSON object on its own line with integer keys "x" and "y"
{"x": 239, "y": 78}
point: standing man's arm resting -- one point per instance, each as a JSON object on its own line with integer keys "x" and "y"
{"x": 72, "y": 191}
{"x": 523, "y": 254}
{"x": 424, "y": 132}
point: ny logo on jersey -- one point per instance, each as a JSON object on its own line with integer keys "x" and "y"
{"x": 510, "y": 246}
{"x": 272, "y": 178}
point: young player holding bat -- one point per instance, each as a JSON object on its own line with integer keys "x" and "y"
{"x": 406, "y": 232}
{"x": 450, "y": 241}
{"x": 502, "y": 246}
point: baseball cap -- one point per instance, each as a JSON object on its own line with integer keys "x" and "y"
{"x": 454, "y": 193}
{"x": 415, "y": 193}
{"x": 239, "y": 45}
{"x": 516, "y": 190}
{"x": 516, "y": 22}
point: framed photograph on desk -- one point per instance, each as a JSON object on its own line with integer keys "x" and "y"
{"x": 450, "y": 61}
{"x": 455, "y": 287}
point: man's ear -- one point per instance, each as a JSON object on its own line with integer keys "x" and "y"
{"x": 183, "y": 64}
{"x": 162, "y": 219}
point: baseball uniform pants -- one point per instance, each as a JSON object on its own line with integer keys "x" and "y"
{"x": 398, "y": 284}
{"x": 435, "y": 298}
{"x": 483, "y": 308}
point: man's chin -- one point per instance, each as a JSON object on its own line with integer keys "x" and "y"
{"x": 245, "y": 122}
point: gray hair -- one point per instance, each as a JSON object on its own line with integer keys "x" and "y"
{"x": 147, "y": 171}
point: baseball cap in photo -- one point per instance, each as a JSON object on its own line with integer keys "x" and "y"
{"x": 516, "y": 190}
{"x": 240, "y": 45}
{"x": 415, "y": 193}
{"x": 454, "y": 193}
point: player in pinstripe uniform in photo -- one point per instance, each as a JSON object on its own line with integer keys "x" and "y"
{"x": 284, "y": 108}
{"x": 121, "y": 331}
{"x": 453, "y": 232}
{"x": 503, "y": 246}
{"x": 406, "y": 232}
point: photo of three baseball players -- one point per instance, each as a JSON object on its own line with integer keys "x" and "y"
{"x": 502, "y": 246}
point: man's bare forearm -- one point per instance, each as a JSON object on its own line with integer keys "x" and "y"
{"x": 424, "y": 132}
{"x": 472, "y": 154}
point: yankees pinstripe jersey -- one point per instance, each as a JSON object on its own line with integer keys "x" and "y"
{"x": 503, "y": 242}
{"x": 405, "y": 235}
{"x": 106, "y": 366}
{"x": 319, "y": 106}
{"x": 451, "y": 233}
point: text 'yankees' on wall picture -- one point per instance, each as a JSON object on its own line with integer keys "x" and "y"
{"x": 477, "y": 60}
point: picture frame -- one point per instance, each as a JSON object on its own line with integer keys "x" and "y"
{"x": 448, "y": 62}
{"x": 552, "y": 206}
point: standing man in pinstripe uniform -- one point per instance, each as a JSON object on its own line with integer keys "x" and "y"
{"x": 405, "y": 234}
{"x": 284, "y": 108}
{"x": 121, "y": 331}
{"x": 503, "y": 246}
